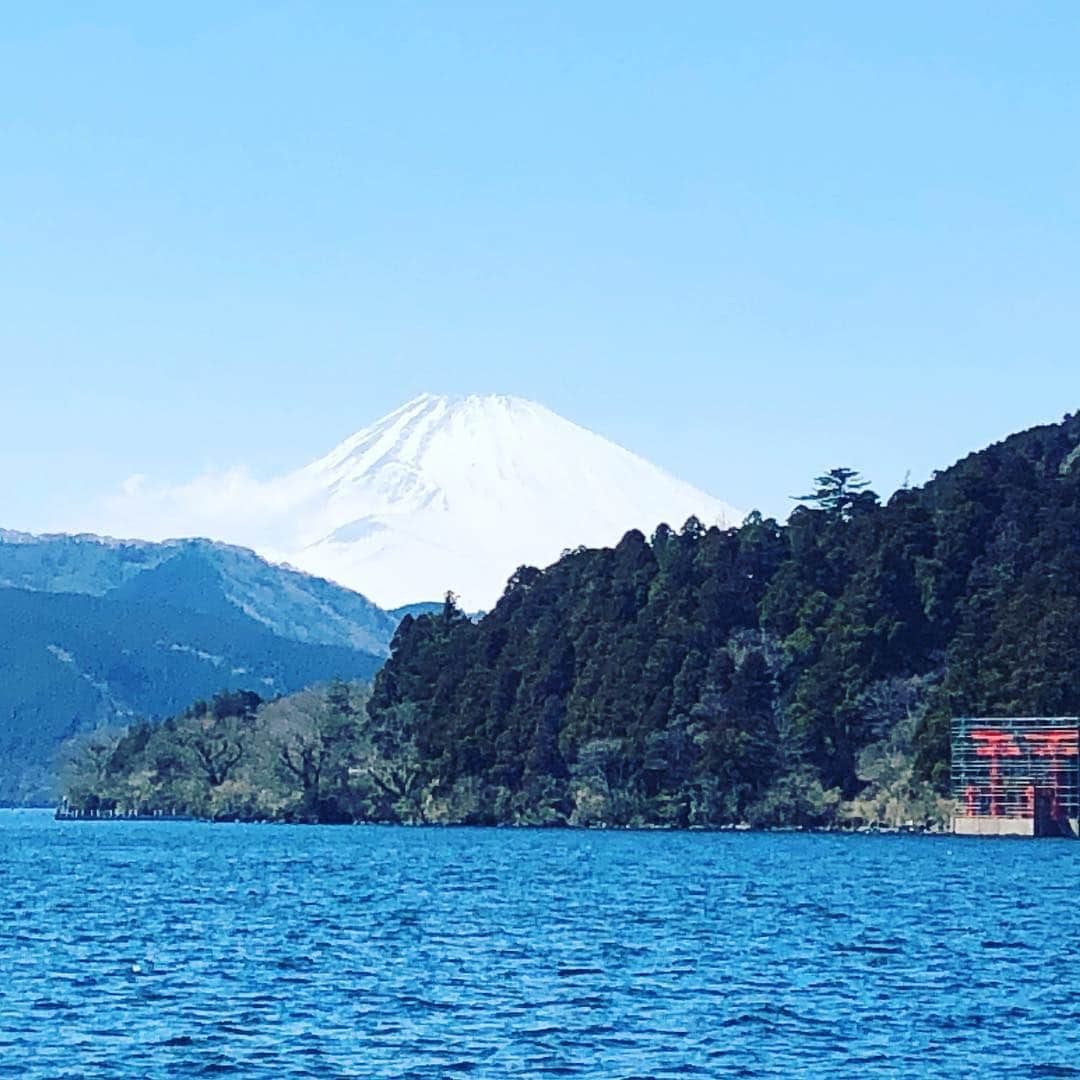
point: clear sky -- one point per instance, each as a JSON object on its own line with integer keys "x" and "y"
{"x": 749, "y": 241}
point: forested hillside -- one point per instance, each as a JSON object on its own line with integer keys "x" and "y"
{"x": 772, "y": 674}
{"x": 764, "y": 673}
{"x": 98, "y": 632}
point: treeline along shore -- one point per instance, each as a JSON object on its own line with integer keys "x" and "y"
{"x": 767, "y": 675}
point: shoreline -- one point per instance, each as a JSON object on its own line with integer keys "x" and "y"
{"x": 852, "y": 830}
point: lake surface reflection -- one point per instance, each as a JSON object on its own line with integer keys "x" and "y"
{"x": 182, "y": 949}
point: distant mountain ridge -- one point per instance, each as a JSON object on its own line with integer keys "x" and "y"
{"x": 289, "y": 602}
{"x": 95, "y": 631}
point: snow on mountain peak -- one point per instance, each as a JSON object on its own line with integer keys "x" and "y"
{"x": 442, "y": 493}
{"x": 457, "y": 492}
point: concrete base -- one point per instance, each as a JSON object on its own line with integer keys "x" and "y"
{"x": 993, "y": 826}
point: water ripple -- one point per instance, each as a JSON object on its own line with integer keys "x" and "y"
{"x": 179, "y": 949}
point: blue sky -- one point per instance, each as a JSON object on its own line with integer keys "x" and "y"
{"x": 748, "y": 241}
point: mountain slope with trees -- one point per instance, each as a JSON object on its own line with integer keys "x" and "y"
{"x": 796, "y": 674}
{"x": 96, "y": 633}
{"x": 764, "y": 673}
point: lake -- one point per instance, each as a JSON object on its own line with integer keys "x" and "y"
{"x": 183, "y": 949}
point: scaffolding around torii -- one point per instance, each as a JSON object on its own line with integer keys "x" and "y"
{"x": 1016, "y": 776}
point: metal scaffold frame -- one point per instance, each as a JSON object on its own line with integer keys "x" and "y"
{"x": 1025, "y": 767}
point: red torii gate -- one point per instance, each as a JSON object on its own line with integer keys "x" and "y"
{"x": 1021, "y": 772}
{"x": 995, "y": 745}
{"x": 1057, "y": 745}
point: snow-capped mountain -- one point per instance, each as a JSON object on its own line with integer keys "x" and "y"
{"x": 456, "y": 493}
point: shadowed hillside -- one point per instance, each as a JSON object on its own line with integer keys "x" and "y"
{"x": 761, "y": 673}
{"x": 96, "y": 633}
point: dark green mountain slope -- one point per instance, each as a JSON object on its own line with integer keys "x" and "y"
{"x": 292, "y": 604}
{"x": 762, "y": 673}
{"x": 98, "y": 633}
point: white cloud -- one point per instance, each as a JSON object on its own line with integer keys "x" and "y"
{"x": 229, "y": 505}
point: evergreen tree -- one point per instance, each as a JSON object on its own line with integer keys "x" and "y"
{"x": 839, "y": 492}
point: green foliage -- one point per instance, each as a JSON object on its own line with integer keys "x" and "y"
{"x": 711, "y": 677}
{"x": 771, "y": 675}
{"x": 154, "y": 628}
{"x": 840, "y": 493}
{"x": 292, "y": 759}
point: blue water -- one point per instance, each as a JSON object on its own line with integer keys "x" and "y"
{"x": 177, "y": 949}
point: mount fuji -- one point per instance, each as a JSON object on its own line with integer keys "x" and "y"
{"x": 444, "y": 493}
